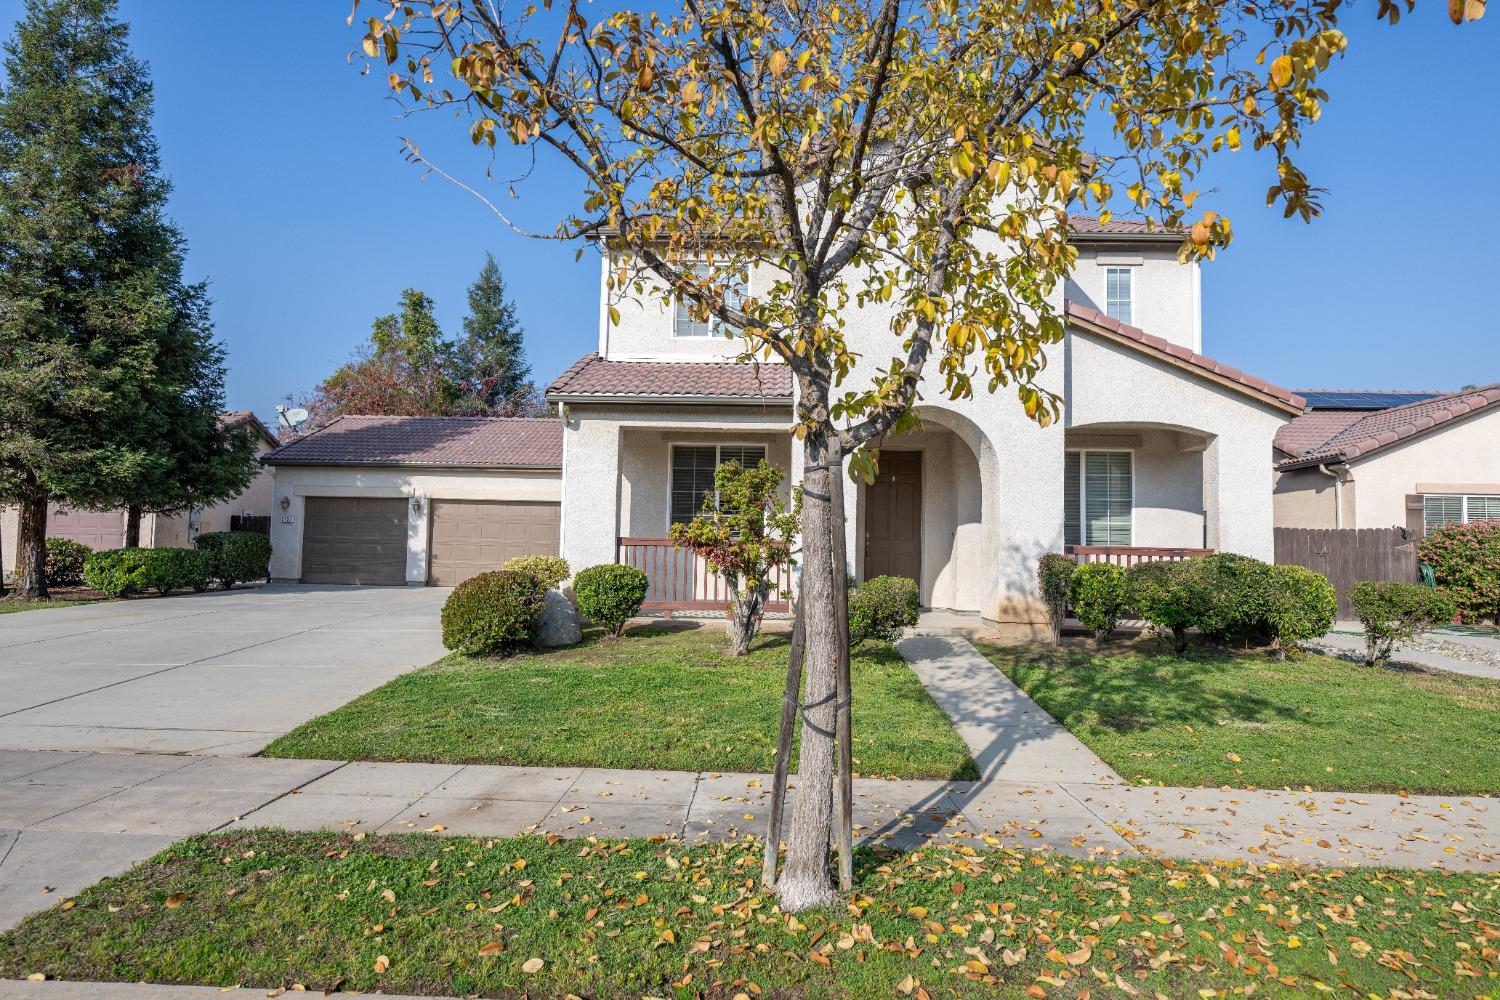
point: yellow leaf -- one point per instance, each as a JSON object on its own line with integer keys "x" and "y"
{"x": 390, "y": 897}
{"x": 491, "y": 948}
{"x": 614, "y": 316}
{"x": 533, "y": 965}
{"x": 175, "y": 900}
{"x": 777, "y": 63}
{"x": 381, "y": 964}
{"x": 1232, "y": 756}
{"x": 1281, "y": 71}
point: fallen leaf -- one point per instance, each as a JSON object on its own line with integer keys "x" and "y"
{"x": 390, "y": 897}
{"x": 533, "y": 965}
{"x": 491, "y": 948}
{"x": 175, "y": 900}
{"x": 381, "y": 964}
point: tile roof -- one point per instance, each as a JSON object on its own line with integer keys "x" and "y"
{"x": 591, "y": 375}
{"x": 1085, "y": 225}
{"x": 1363, "y": 399}
{"x": 246, "y": 418}
{"x": 1372, "y": 432}
{"x": 1312, "y": 429}
{"x": 480, "y": 442}
{"x": 1135, "y": 337}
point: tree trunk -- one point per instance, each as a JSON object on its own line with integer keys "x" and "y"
{"x": 133, "y": 527}
{"x": 31, "y": 543}
{"x": 746, "y": 610}
{"x": 804, "y": 881}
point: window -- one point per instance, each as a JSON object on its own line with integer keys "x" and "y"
{"x": 684, "y": 323}
{"x": 693, "y": 467}
{"x": 1098, "y": 497}
{"x": 1117, "y": 293}
{"x": 1439, "y": 510}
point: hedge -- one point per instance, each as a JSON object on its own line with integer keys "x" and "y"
{"x": 1100, "y": 596}
{"x": 492, "y": 612}
{"x": 1172, "y": 596}
{"x": 123, "y": 572}
{"x": 1054, "y": 577}
{"x": 881, "y": 607}
{"x": 1300, "y": 605}
{"x": 550, "y": 571}
{"x": 65, "y": 559}
{"x": 1393, "y": 613}
{"x": 610, "y": 594}
{"x": 236, "y": 556}
{"x": 1465, "y": 560}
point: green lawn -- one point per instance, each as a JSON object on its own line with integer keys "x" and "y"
{"x": 424, "y": 914}
{"x": 1243, "y": 720}
{"x": 662, "y": 697}
{"x": 9, "y": 606}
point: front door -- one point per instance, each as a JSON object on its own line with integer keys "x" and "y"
{"x": 893, "y": 517}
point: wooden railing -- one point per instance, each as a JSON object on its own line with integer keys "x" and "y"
{"x": 680, "y": 580}
{"x": 1128, "y": 555}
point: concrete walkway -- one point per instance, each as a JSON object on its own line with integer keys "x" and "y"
{"x": 1347, "y": 641}
{"x": 221, "y": 673}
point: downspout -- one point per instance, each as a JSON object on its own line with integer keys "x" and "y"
{"x": 1337, "y": 474}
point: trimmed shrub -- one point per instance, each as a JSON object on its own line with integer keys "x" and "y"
{"x": 881, "y": 607}
{"x": 1054, "y": 575}
{"x": 492, "y": 612}
{"x": 1237, "y": 596}
{"x": 1465, "y": 560}
{"x": 1395, "y": 612}
{"x": 123, "y": 572}
{"x": 1100, "y": 597}
{"x": 1172, "y": 596}
{"x": 610, "y": 594}
{"x": 65, "y": 559}
{"x": 1301, "y": 605}
{"x": 236, "y": 556}
{"x": 548, "y": 570}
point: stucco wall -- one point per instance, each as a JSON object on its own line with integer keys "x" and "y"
{"x": 1466, "y": 452}
{"x": 647, "y": 323}
{"x": 1304, "y": 498}
{"x": 1112, "y": 386}
{"x": 1165, "y": 295}
{"x": 299, "y": 482}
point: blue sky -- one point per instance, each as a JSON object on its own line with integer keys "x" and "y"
{"x": 301, "y": 213}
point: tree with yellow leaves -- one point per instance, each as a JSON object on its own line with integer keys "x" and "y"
{"x": 919, "y": 156}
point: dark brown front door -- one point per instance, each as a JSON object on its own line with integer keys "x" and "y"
{"x": 893, "y": 517}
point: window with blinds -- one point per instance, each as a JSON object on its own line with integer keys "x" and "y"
{"x": 1117, "y": 293}
{"x": 1098, "y": 496}
{"x": 1438, "y": 510}
{"x": 684, "y": 324}
{"x": 693, "y": 467}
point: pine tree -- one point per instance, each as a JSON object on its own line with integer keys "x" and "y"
{"x": 493, "y": 358}
{"x": 102, "y": 346}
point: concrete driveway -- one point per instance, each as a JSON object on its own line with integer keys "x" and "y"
{"x": 220, "y": 673}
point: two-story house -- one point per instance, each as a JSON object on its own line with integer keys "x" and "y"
{"x": 1160, "y": 448}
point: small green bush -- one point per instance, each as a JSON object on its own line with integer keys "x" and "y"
{"x": 1173, "y": 596}
{"x": 123, "y": 572}
{"x": 492, "y": 612}
{"x": 610, "y": 594}
{"x": 1465, "y": 560}
{"x": 1100, "y": 597}
{"x": 548, "y": 570}
{"x": 1301, "y": 604}
{"x": 1237, "y": 596}
{"x": 236, "y": 556}
{"x": 881, "y": 607}
{"x": 65, "y": 559}
{"x": 1396, "y": 612}
{"x": 1054, "y": 575}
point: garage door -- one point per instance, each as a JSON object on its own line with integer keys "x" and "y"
{"x": 354, "y": 540}
{"x": 473, "y": 536}
{"x": 99, "y": 530}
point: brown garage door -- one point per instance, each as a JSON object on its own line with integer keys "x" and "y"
{"x": 99, "y": 530}
{"x": 473, "y": 536}
{"x": 354, "y": 540}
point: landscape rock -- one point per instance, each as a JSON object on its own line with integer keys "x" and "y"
{"x": 558, "y": 625}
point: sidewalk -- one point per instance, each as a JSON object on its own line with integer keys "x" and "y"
{"x": 1452, "y": 655}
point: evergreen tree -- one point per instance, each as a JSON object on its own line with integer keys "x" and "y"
{"x": 412, "y": 333}
{"x": 493, "y": 358}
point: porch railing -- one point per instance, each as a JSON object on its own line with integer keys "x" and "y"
{"x": 680, "y": 580}
{"x": 1128, "y": 555}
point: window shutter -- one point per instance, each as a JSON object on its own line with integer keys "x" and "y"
{"x": 1414, "y": 516}
{"x": 1072, "y": 496}
{"x": 1107, "y": 497}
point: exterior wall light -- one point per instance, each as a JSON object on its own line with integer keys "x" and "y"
{"x": 286, "y": 504}
{"x": 416, "y": 505}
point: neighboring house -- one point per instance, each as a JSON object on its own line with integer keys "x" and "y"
{"x": 1378, "y": 459}
{"x": 106, "y": 529}
{"x": 416, "y": 500}
{"x": 1160, "y": 447}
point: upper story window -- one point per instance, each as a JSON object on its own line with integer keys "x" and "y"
{"x": 1098, "y": 497}
{"x": 1438, "y": 510}
{"x": 1117, "y": 293}
{"x": 685, "y": 324}
{"x": 693, "y": 467}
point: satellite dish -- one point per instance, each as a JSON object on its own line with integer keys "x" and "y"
{"x": 293, "y": 418}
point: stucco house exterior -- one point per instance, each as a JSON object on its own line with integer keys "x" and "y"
{"x": 106, "y": 529}
{"x": 1161, "y": 450}
{"x": 1351, "y": 462}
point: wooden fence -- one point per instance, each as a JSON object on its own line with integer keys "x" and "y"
{"x": 259, "y": 523}
{"x": 1349, "y": 555}
{"x": 1129, "y": 555}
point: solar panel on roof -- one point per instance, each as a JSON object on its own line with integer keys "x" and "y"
{"x": 1347, "y": 399}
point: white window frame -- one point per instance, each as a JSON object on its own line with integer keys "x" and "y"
{"x": 718, "y": 447}
{"x": 1083, "y": 492}
{"x": 1463, "y": 507}
{"x": 1128, "y": 274}
{"x": 713, "y": 326}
